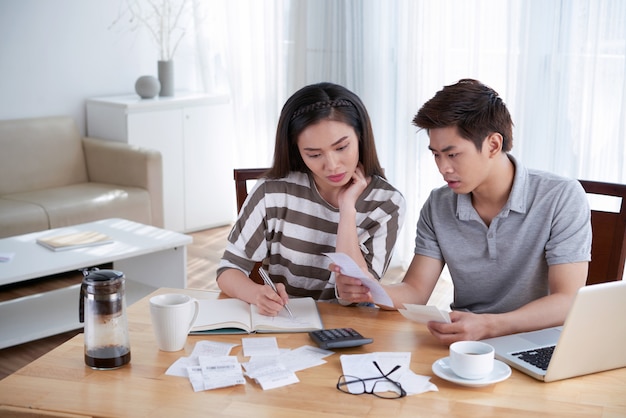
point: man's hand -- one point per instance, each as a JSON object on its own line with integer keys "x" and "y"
{"x": 465, "y": 326}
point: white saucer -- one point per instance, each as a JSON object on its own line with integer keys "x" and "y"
{"x": 501, "y": 371}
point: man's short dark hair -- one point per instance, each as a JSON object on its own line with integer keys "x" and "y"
{"x": 474, "y": 108}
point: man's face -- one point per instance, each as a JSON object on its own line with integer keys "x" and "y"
{"x": 458, "y": 160}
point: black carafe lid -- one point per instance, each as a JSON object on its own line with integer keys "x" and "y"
{"x": 102, "y": 282}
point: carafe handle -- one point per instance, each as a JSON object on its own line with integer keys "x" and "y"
{"x": 81, "y": 303}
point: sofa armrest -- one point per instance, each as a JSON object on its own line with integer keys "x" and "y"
{"x": 127, "y": 165}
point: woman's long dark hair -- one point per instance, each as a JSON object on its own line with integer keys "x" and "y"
{"x": 308, "y": 106}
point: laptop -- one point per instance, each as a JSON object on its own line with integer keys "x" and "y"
{"x": 592, "y": 339}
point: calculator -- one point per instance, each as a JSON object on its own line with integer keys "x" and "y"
{"x": 338, "y": 338}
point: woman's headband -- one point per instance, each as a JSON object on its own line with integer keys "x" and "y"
{"x": 321, "y": 105}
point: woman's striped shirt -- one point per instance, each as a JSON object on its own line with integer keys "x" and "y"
{"x": 286, "y": 224}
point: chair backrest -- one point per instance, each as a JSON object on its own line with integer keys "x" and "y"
{"x": 242, "y": 176}
{"x": 608, "y": 248}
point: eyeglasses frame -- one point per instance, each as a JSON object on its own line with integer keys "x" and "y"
{"x": 384, "y": 376}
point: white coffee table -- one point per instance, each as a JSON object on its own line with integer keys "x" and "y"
{"x": 149, "y": 257}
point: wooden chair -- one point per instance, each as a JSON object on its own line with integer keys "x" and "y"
{"x": 608, "y": 248}
{"x": 242, "y": 176}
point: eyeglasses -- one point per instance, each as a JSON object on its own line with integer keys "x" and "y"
{"x": 356, "y": 386}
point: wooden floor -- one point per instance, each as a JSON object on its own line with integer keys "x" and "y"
{"x": 203, "y": 256}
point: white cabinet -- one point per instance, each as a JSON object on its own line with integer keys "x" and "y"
{"x": 192, "y": 132}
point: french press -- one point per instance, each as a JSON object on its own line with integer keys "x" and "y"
{"x": 103, "y": 310}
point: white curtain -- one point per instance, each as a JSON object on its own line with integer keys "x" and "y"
{"x": 242, "y": 51}
{"x": 559, "y": 65}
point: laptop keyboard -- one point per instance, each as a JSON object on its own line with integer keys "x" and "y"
{"x": 538, "y": 357}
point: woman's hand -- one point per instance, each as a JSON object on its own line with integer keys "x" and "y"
{"x": 353, "y": 189}
{"x": 269, "y": 302}
{"x": 350, "y": 289}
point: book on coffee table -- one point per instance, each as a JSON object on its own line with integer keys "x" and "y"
{"x": 63, "y": 242}
{"x": 234, "y": 316}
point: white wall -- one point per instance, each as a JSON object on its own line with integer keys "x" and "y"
{"x": 54, "y": 54}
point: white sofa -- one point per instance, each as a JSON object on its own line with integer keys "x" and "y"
{"x": 51, "y": 177}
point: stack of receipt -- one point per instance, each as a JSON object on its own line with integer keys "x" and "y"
{"x": 211, "y": 367}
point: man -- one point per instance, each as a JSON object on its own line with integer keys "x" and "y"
{"x": 517, "y": 241}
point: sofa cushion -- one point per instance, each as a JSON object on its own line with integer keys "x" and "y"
{"x": 18, "y": 218}
{"x": 87, "y": 202}
{"x": 40, "y": 153}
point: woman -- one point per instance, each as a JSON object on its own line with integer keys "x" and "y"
{"x": 325, "y": 192}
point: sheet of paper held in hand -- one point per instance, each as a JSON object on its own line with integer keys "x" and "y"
{"x": 424, "y": 313}
{"x": 350, "y": 268}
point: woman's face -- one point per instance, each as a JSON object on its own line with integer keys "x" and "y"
{"x": 330, "y": 149}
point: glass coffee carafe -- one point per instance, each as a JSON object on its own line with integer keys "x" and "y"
{"x": 103, "y": 310}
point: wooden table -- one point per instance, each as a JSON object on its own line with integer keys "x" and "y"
{"x": 60, "y": 382}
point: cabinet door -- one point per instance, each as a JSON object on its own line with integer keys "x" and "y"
{"x": 209, "y": 184}
{"x": 163, "y": 130}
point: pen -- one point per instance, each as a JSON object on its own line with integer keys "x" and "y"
{"x": 270, "y": 283}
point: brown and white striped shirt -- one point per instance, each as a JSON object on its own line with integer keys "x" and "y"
{"x": 286, "y": 224}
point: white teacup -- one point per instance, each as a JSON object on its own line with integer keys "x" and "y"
{"x": 173, "y": 315}
{"x": 471, "y": 359}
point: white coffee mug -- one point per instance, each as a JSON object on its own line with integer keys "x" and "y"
{"x": 173, "y": 315}
{"x": 471, "y": 359}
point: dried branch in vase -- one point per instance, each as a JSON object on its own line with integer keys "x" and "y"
{"x": 166, "y": 20}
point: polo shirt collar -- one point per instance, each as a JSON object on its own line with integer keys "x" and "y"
{"x": 516, "y": 201}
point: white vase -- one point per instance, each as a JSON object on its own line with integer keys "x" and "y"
{"x": 166, "y": 77}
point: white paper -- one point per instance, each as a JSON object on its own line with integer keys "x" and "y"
{"x": 210, "y": 367}
{"x": 180, "y": 367}
{"x": 258, "y": 363}
{"x": 350, "y": 268}
{"x": 260, "y": 346}
{"x": 212, "y": 348}
{"x": 6, "y": 257}
{"x": 304, "y": 357}
{"x": 220, "y": 372}
{"x": 294, "y": 360}
{"x": 425, "y": 313}
{"x": 272, "y": 377}
{"x": 202, "y": 348}
{"x": 195, "y": 378}
{"x": 279, "y": 370}
{"x": 215, "y": 372}
{"x": 362, "y": 366}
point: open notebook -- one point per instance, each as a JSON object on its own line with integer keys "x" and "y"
{"x": 234, "y": 316}
{"x": 593, "y": 338}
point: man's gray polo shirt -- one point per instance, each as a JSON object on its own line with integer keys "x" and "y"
{"x": 500, "y": 268}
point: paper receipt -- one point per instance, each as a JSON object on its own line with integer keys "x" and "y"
{"x": 424, "y": 313}
{"x": 350, "y": 268}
